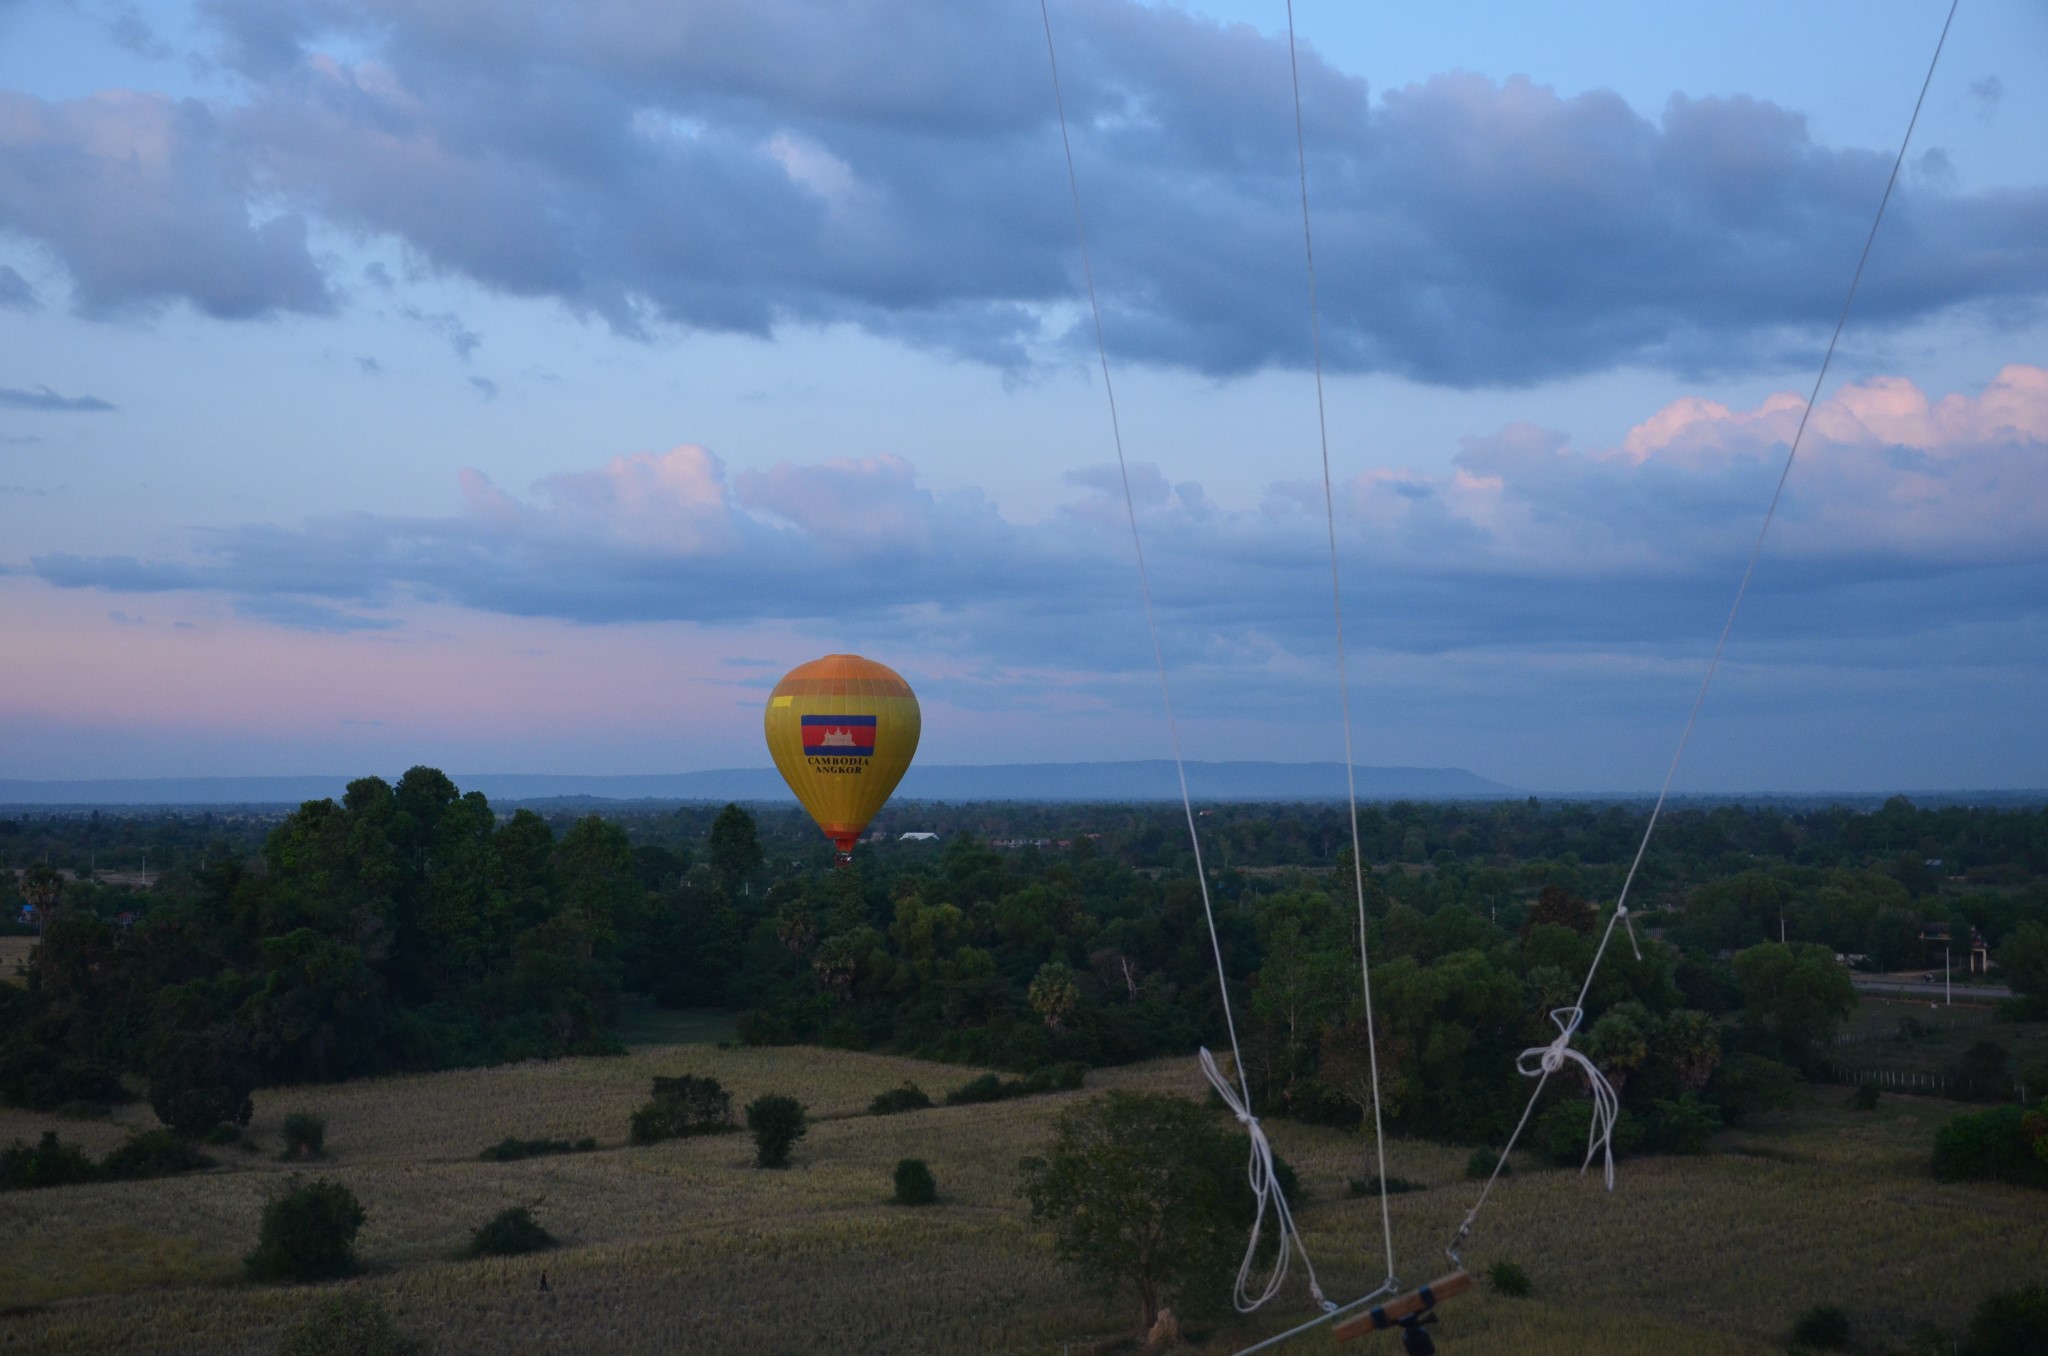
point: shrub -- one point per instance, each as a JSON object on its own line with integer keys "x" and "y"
{"x": 1824, "y": 1325}
{"x": 777, "y": 1123}
{"x": 1988, "y": 1145}
{"x": 1683, "y": 1126}
{"x": 309, "y": 1234}
{"x": 197, "y": 1080}
{"x": 987, "y": 1088}
{"x": 159, "y": 1153}
{"x": 683, "y": 1106}
{"x": 223, "y": 1134}
{"x": 909, "y": 1097}
{"x": 1479, "y": 1166}
{"x": 1560, "y": 1132}
{"x": 510, "y": 1150}
{"x": 50, "y": 1163}
{"x": 305, "y": 1135}
{"x": 2010, "y": 1323}
{"x": 348, "y": 1325}
{"x": 85, "y": 1111}
{"x": 1396, "y": 1186}
{"x": 509, "y": 1234}
{"x": 1865, "y": 1097}
{"x": 1510, "y": 1280}
{"x": 1746, "y": 1085}
{"x": 915, "y": 1184}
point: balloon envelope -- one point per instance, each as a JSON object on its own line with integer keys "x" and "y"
{"x": 842, "y": 731}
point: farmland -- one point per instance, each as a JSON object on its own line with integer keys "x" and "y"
{"x": 685, "y": 1246}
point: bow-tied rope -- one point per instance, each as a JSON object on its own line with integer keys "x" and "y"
{"x": 1265, "y": 1184}
{"x": 1606, "y": 1103}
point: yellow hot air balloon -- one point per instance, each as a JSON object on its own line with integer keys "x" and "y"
{"x": 842, "y": 730}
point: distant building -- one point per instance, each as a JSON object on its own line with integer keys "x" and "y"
{"x": 918, "y": 836}
{"x": 1976, "y": 950}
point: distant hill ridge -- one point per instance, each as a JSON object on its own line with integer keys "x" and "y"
{"x": 1129, "y": 781}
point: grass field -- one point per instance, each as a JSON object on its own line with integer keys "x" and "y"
{"x": 686, "y": 1247}
{"x": 14, "y": 953}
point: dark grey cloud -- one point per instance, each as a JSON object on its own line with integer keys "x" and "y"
{"x": 739, "y": 165}
{"x": 46, "y": 401}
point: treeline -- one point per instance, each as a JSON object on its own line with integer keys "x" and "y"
{"x": 411, "y": 926}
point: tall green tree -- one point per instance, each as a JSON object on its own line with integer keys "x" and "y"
{"x": 1142, "y": 1192}
{"x": 735, "y": 847}
{"x": 1800, "y": 991}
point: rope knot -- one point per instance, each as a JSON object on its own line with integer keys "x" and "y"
{"x": 1265, "y": 1183}
{"x": 1606, "y": 1103}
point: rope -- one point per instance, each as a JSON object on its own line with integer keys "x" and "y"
{"x": 1315, "y": 321}
{"x": 1264, "y": 1187}
{"x": 1554, "y": 1054}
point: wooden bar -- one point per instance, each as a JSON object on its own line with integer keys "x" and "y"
{"x": 1390, "y": 1314}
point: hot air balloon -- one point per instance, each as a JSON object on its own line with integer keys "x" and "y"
{"x": 842, "y": 730}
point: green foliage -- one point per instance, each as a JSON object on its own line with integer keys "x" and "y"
{"x": 308, "y": 1233}
{"x": 50, "y": 1163}
{"x": 1479, "y": 1165}
{"x": 1682, "y": 1125}
{"x": 199, "y": 1079}
{"x": 1561, "y": 1130}
{"x": 909, "y": 1097}
{"x": 777, "y": 1123}
{"x": 2010, "y": 1323}
{"x": 509, "y": 1233}
{"x": 348, "y": 1324}
{"x": 1510, "y": 1280}
{"x": 735, "y": 847}
{"x": 1865, "y": 1097}
{"x": 1370, "y": 1186}
{"x": 510, "y": 1150}
{"x": 990, "y": 1087}
{"x": 1799, "y": 991}
{"x": 305, "y": 1135}
{"x": 1824, "y": 1326}
{"x": 2023, "y": 959}
{"x": 1143, "y": 1191}
{"x": 37, "y": 1078}
{"x": 1746, "y": 1086}
{"x": 682, "y": 1107}
{"x": 1994, "y": 1145}
{"x": 915, "y": 1184}
{"x": 156, "y": 1153}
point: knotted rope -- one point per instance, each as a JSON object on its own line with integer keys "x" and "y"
{"x": 1265, "y": 1184}
{"x": 1606, "y": 1103}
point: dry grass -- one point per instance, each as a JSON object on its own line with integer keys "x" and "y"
{"x": 684, "y": 1246}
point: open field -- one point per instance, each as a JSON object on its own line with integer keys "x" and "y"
{"x": 14, "y": 953}
{"x": 684, "y": 1246}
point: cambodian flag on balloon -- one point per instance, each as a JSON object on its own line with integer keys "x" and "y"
{"x": 839, "y": 736}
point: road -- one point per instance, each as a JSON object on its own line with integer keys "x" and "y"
{"x": 1967, "y": 993}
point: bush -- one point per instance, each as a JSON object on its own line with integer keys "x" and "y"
{"x": 994, "y": 1088}
{"x": 1988, "y": 1146}
{"x": 915, "y": 1184}
{"x": 37, "y": 1079}
{"x": 305, "y": 1135}
{"x": 309, "y": 1234}
{"x": 1746, "y": 1085}
{"x": 197, "y": 1080}
{"x": 511, "y": 1150}
{"x": 1824, "y": 1326}
{"x": 222, "y": 1134}
{"x": 681, "y": 1107}
{"x": 1510, "y": 1280}
{"x": 1683, "y": 1126}
{"x": 1560, "y": 1132}
{"x": 160, "y": 1153}
{"x": 2010, "y": 1323}
{"x": 1865, "y": 1097}
{"x": 1479, "y": 1166}
{"x": 909, "y": 1097}
{"x": 85, "y": 1111}
{"x": 1396, "y": 1186}
{"x": 510, "y": 1233}
{"x": 987, "y": 1088}
{"x": 51, "y": 1163}
{"x": 777, "y": 1123}
{"x": 348, "y": 1325}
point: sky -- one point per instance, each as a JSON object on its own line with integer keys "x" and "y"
{"x": 524, "y": 387}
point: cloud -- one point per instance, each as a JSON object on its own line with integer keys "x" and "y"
{"x": 1904, "y": 514}
{"x": 740, "y": 168}
{"x": 46, "y": 401}
{"x": 145, "y": 199}
{"x": 15, "y": 292}
{"x": 484, "y": 387}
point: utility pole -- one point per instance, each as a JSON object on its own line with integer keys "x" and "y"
{"x": 1948, "y": 983}
{"x": 145, "y": 868}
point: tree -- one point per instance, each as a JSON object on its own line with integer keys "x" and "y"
{"x": 1560, "y": 906}
{"x": 349, "y": 1324}
{"x": 735, "y": 847}
{"x": 1799, "y": 990}
{"x": 309, "y": 1234}
{"x": 1055, "y": 993}
{"x": 2024, "y": 958}
{"x": 777, "y": 1123}
{"x": 1141, "y": 1190}
{"x": 199, "y": 1079}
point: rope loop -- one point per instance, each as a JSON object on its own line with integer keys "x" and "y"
{"x": 1265, "y": 1184}
{"x": 1606, "y": 1102}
